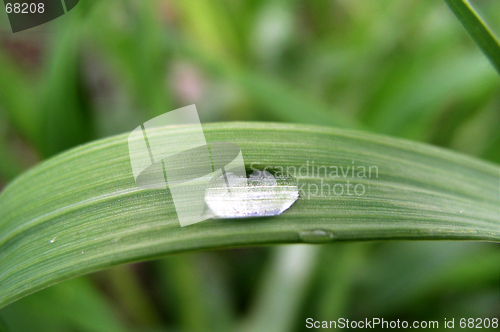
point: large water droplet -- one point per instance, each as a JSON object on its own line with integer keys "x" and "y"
{"x": 316, "y": 236}
{"x": 233, "y": 196}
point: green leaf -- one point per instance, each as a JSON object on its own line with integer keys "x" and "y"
{"x": 65, "y": 307}
{"x": 477, "y": 29}
{"x": 10, "y": 165}
{"x": 63, "y": 106}
{"x": 134, "y": 51}
{"x": 14, "y": 90}
{"x": 284, "y": 286}
{"x": 81, "y": 211}
{"x": 193, "y": 285}
{"x": 3, "y": 327}
{"x": 267, "y": 91}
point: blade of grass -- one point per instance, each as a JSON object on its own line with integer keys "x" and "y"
{"x": 135, "y": 51}
{"x": 477, "y": 29}
{"x": 193, "y": 290}
{"x": 475, "y": 135}
{"x": 414, "y": 98}
{"x": 268, "y": 92}
{"x": 336, "y": 272}
{"x": 183, "y": 279}
{"x": 208, "y": 25}
{"x": 3, "y": 327}
{"x": 129, "y": 292}
{"x": 75, "y": 305}
{"x": 492, "y": 152}
{"x": 14, "y": 89}
{"x": 64, "y": 106}
{"x": 406, "y": 274}
{"x": 283, "y": 289}
{"x": 88, "y": 201}
{"x": 10, "y": 166}
{"x": 469, "y": 274}
{"x": 276, "y": 96}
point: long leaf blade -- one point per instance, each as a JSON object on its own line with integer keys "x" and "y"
{"x": 81, "y": 211}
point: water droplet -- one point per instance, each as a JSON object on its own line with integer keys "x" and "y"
{"x": 234, "y": 196}
{"x": 316, "y": 236}
{"x": 53, "y": 240}
{"x": 83, "y": 252}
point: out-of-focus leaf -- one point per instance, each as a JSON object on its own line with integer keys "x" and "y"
{"x": 335, "y": 284}
{"x": 403, "y": 276}
{"x": 3, "y": 327}
{"x": 413, "y": 100}
{"x": 271, "y": 93}
{"x": 75, "y": 305}
{"x": 192, "y": 290}
{"x": 10, "y": 167}
{"x": 63, "y": 106}
{"x": 135, "y": 50}
{"x": 125, "y": 286}
{"x": 17, "y": 100}
{"x": 208, "y": 26}
{"x": 283, "y": 289}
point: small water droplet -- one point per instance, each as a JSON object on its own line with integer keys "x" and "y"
{"x": 53, "y": 240}
{"x": 83, "y": 252}
{"x": 316, "y": 236}
{"x": 461, "y": 211}
{"x": 233, "y": 196}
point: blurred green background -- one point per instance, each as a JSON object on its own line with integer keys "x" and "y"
{"x": 400, "y": 68}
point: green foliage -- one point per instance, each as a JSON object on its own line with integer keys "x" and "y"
{"x": 477, "y": 29}
{"x": 97, "y": 217}
{"x": 404, "y": 69}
